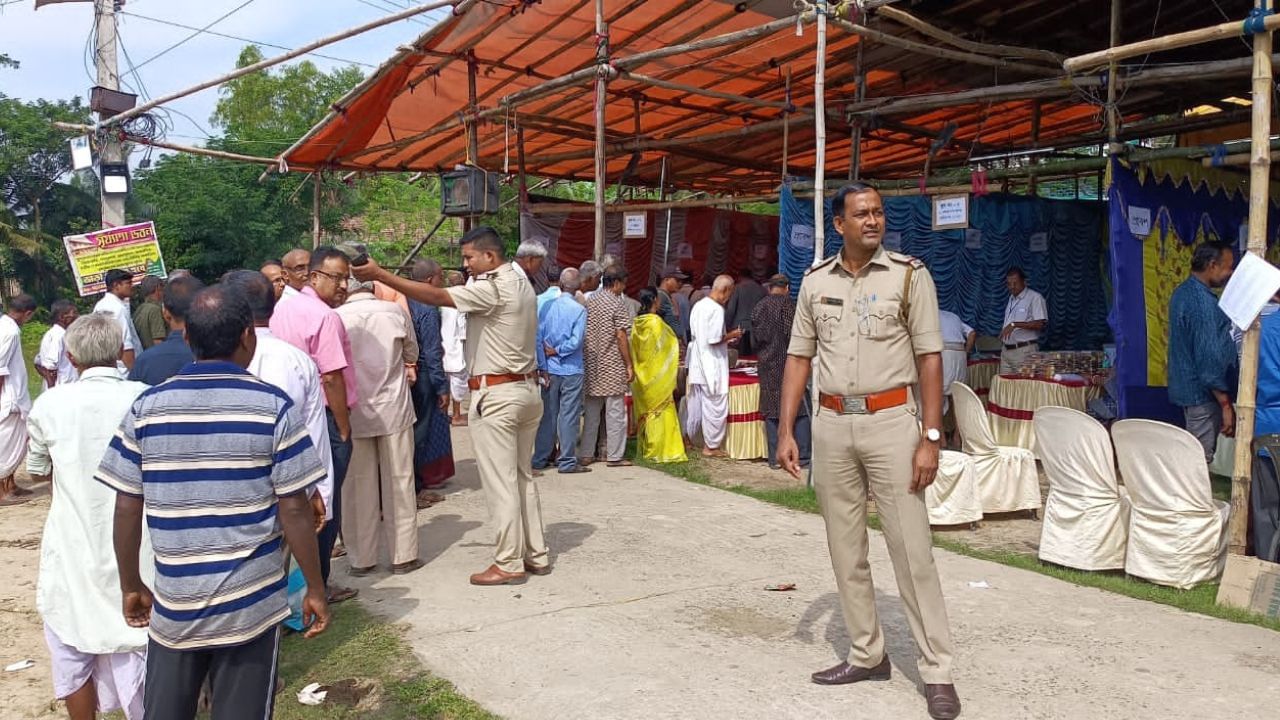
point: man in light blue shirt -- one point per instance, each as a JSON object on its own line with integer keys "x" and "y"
{"x": 551, "y": 293}
{"x": 562, "y": 328}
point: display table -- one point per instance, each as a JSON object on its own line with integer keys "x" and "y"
{"x": 744, "y": 436}
{"x": 1013, "y": 400}
{"x": 981, "y": 372}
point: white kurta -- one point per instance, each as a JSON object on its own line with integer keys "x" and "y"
{"x": 453, "y": 335}
{"x": 119, "y": 309}
{"x": 708, "y": 356}
{"x": 955, "y": 361}
{"x": 53, "y": 356}
{"x": 78, "y": 590}
{"x": 15, "y": 399}
{"x": 288, "y": 368}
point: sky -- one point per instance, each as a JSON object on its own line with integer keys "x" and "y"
{"x": 50, "y": 44}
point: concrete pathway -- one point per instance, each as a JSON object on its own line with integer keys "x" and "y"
{"x": 656, "y": 609}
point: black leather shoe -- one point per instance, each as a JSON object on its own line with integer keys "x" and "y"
{"x": 844, "y": 673}
{"x": 944, "y": 703}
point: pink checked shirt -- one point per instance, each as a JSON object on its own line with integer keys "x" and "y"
{"x": 309, "y": 324}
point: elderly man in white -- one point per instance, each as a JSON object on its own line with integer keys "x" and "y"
{"x": 98, "y": 661}
{"x": 51, "y": 361}
{"x": 293, "y": 371}
{"x": 530, "y": 257}
{"x": 15, "y": 398}
{"x": 708, "y": 403}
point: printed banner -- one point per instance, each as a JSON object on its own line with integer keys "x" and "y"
{"x": 129, "y": 247}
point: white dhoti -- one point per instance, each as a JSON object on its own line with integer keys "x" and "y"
{"x": 709, "y": 413}
{"x": 13, "y": 443}
{"x": 457, "y": 385}
{"x": 117, "y": 677}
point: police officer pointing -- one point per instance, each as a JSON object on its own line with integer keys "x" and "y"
{"x": 871, "y": 319}
{"x": 506, "y": 404}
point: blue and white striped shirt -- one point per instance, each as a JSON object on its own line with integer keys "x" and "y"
{"x": 210, "y": 451}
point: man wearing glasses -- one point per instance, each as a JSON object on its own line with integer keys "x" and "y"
{"x": 309, "y": 323}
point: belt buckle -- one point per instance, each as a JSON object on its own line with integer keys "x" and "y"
{"x": 853, "y": 405}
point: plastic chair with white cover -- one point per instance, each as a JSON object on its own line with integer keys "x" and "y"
{"x": 1007, "y": 478}
{"x": 952, "y": 498}
{"x": 1177, "y": 531}
{"x": 1086, "y": 516}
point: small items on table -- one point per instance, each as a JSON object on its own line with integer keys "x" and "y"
{"x": 1064, "y": 379}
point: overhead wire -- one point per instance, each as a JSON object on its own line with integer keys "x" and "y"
{"x": 195, "y": 33}
{"x": 241, "y": 39}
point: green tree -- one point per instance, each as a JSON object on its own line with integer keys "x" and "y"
{"x": 33, "y": 153}
{"x": 214, "y": 215}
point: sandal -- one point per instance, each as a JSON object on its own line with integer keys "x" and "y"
{"x": 619, "y": 463}
{"x": 339, "y": 594}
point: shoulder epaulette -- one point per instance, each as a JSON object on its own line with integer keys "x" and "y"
{"x": 822, "y": 264}
{"x": 913, "y": 261}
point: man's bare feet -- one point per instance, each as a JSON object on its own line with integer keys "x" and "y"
{"x": 714, "y": 453}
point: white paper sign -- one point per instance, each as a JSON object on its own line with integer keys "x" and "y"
{"x": 1253, "y": 283}
{"x": 1040, "y": 242}
{"x": 634, "y": 224}
{"x": 81, "y": 155}
{"x": 973, "y": 239}
{"x": 1139, "y": 221}
{"x": 950, "y": 212}
{"x": 892, "y": 241}
{"x": 801, "y": 236}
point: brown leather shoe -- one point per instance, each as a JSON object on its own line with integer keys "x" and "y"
{"x": 497, "y": 576}
{"x": 405, "y": 568}
{"x": 944, "y": 703}
{"x": 537, "y": 570}
{"x": 844, "y": 673}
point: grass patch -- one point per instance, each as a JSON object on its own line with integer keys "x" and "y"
{"x": 358, "y": 645}
{"x": 1201, "y": 599}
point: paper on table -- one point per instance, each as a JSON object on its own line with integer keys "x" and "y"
{"x": 1253, "y": 283}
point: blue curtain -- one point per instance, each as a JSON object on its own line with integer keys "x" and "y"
{"x": 1070, "y": 274}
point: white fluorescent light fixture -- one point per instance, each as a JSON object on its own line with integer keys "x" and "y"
{"x": 1009, "y": 155}
{"x": 115, "y": 179}
{"x": 81, "y": 155}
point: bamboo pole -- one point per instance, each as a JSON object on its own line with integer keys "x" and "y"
{"x": 1259, "y": 196}
{"x": 315, "y": 211}
{"x": 820, "y": 136}
{"x": 473, "y": 132}
{"x": 860, "y": 94}
{"x": 190, "y": 149}
{"x": 1035, "y": 142}
{"x": 1230, "y": 160}
{"x": 583, "y": 208}
{"x": 1199, "y": 36}
{"x": 940, "y": 52}
{"x": 602, "y": 78}
{"x": 1113, "y": 111}
{"x": 522, "y": 179}
{"x": 694, "y": 90}
{"x": 422, "y": 242}
{"x": 273, "y": 61}
{"x": 786, "y": 127}
{"x": 905, "y": 18}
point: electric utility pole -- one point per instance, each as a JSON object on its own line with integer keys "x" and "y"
{"x": 112, "y": 150}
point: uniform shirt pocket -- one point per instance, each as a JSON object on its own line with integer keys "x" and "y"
{"x": 826, "y": 319}
{"x": 882, "y": 322}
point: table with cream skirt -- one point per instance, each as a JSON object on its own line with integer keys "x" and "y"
{"x": 1013, "y": 400}
{"x": 744, "y": 435}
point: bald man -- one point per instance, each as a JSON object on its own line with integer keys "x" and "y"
{"x": 297, "y": 268}
{"x": 708, "y": 404}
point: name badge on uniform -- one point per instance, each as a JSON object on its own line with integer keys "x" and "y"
{"x": 831, "y": 301}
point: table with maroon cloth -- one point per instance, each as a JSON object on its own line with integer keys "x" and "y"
{"x": 981, "y": 372}
{"x": 1013, "y": 400}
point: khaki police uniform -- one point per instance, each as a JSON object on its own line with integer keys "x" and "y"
{"x": 506, "y": 407}
{"x": 854, "y": 325}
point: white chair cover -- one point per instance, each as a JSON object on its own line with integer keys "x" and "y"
{"x": 1177, "y": 531}
{"x": 1086, "y": 517}
{"x": 952, "y": 499}
{"x": 1007, "y": 478}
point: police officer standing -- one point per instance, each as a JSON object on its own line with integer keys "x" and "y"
{"x": 871, "y": 318}
{"x": 506, "y": 404}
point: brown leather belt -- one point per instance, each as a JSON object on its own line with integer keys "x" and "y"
{"x": 864, "y": 404}
{"x": 491, "y": 380}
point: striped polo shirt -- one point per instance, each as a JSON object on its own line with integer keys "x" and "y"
{"x": 209, "y": 452}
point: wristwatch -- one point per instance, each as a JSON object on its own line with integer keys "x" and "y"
{"x": 933, "y": 435}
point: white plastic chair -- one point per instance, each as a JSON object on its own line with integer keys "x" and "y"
{"x": 1177, "y": 531}
{"x": 1086, "y": 516}
{"x": 952, "y": 499}
{"x": 1007, "y": 478}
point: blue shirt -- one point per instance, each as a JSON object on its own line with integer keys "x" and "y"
{"x": 162, "y": 361}
{"x": 209, "y": 452}
{"x": 563, "y": 326}
{"x": 1267, "y": 419}
{"x": 1201, "y": 352}
{"x": 547, "y": 296}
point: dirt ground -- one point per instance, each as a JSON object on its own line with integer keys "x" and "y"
{"x": 1015, "y": 532}
{"x": 28, "y": 694}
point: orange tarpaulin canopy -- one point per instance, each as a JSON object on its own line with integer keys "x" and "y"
{"x": 411, "y": 114}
